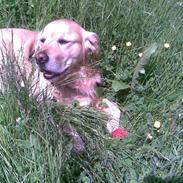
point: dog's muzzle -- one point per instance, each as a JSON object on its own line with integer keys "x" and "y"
{"x": 41, "y": 59}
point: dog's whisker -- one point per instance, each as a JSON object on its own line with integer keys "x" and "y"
{"x": 66, "y": 82}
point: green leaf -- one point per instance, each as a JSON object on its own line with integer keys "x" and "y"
{"x": 143, "y": 61}
{"x": 85, "y": 179}
{"x": 119, "y": 85}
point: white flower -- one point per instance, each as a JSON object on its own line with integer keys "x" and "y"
{"x": 149, "y": 136}
{"x": 178, "y": 4}
{"x": 179, "y": 115}
{"x": 114, "y": 48}
{"x": 142, "y": 71}
{"x": 157, "y": 124}
{"x": 22, "y": 84}
{"x": 167, "y": 45}
{"x": 128, "y": 43}
{"x": 140, "y": 54}
{"x": 18, "y": 120}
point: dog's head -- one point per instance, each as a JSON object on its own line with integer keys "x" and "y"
{"x": 61, "y": 45}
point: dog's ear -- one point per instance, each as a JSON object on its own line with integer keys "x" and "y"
{"x": 91, "y": 43}
{"x": 31, "y": 51}
{"x": 30, "y": 48}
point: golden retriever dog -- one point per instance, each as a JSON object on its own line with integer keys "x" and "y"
{"x": 65, "y": 54}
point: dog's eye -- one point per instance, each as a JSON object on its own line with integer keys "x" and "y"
{"x": 42, "y": 40}
{"x": 62, "y": 41}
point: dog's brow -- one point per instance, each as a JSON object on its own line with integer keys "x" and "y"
{"x": 70, "y": 37}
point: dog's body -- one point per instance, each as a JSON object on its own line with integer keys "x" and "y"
{"x": 17, "y": 44}
{"x": 64, "y": 52}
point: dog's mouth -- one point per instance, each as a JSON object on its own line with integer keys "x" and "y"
{"x": 51, "y": 75}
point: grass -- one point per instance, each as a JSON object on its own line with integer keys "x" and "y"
{"x": 32, "y": 146}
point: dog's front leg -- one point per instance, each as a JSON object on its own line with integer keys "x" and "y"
{"x": 113, "y": 113}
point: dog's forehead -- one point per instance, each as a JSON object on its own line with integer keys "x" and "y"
{"x": 63, "y": 28}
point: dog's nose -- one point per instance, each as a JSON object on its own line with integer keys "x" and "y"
{"x": 42, "y": 58}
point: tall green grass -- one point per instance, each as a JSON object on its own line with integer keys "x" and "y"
{"x": 32, "y": 145}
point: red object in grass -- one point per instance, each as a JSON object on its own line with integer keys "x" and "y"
{"x": 120, "y": 133}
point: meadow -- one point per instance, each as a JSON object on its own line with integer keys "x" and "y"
{"x": 142, "y": 62}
